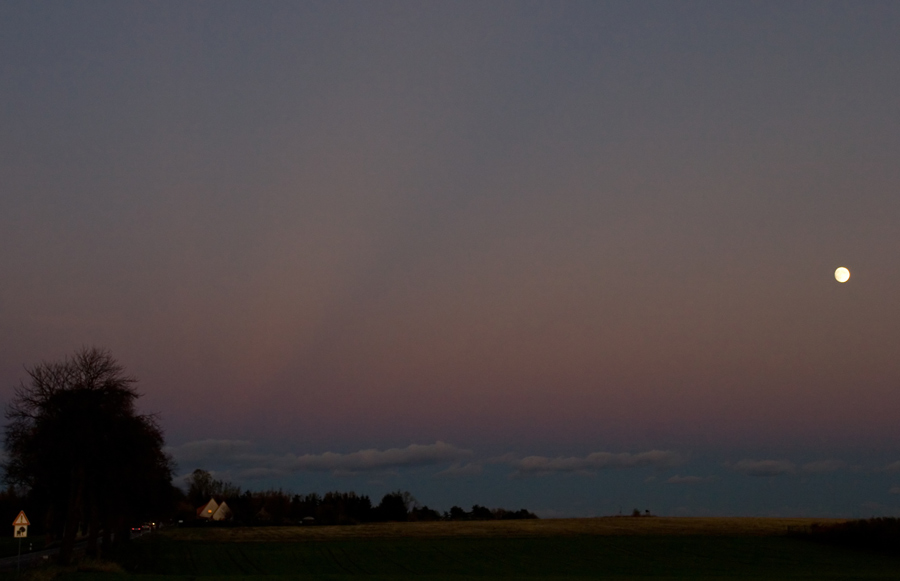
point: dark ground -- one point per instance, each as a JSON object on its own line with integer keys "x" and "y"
{"x": 570, "y": 557}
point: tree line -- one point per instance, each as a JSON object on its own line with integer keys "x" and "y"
{"x": 277, "y": 507}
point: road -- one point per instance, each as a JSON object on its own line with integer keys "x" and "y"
{"x": 35, "y": 558}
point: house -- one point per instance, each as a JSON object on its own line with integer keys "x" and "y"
{"x": 214, "y": 511}
{"x": 223, "y": 512}
{"x": 208, "y": 509}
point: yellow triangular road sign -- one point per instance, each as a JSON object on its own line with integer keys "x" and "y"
{"x": 21, "y": 519}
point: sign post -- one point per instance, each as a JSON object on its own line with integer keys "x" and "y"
{"x": 20, "y": 531}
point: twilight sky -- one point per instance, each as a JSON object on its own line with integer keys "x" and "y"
{"x": 573, "y": 256}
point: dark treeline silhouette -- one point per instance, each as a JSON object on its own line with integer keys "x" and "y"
{"x": 484, "y": 513}
{"x": 875, "y": 534}
{"x": 276, "y": 507}
{"x": 82, "y": 457}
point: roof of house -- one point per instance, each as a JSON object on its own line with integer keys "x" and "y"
{"x": 208, "y": 509}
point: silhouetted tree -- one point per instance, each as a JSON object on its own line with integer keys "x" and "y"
{"x": 481, "y": 513}
{"x": 457, "y": 513}
{"x": 75, "y": 441}
{"x": 337, "y": 508}
{"x": 393, "y": 507}
{"x": 484, "y": 513}
{"x": 513, "y": 515}
{"x": 423, "y": 514}
{"x": 202, "y": 486}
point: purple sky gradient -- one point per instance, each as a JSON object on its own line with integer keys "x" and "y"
{"x": 548, "y": 229}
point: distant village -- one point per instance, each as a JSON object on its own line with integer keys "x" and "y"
{"x": 211, "y": 501}
{"x": 332, "y": 508}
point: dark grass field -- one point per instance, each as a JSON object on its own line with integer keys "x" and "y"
{"x": 496, "y": 554}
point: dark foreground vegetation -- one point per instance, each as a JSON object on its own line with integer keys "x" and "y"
{"x": 880, "y": 535}
{"x": 81, "y": 456}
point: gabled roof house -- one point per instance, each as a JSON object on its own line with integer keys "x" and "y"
{"x": 214, "y": 511}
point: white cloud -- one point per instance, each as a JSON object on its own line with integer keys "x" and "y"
{"x": 593, "y": 462}
{"x": 780, "y": 467}
{"x": 259, "y": 473}
{"x": 241, "y": 459}
{"x": 823, "y": 466}
{"x": 459, "y": 470}
{"x": 507, "y": 458}
{"x": 250, "y": 465}
{"x": 690, "y": 479}
{"x": 210, "y": 451}
{"x": 892, "y": 467}
{"x": 764, "y": 467}
{"x": 368, "y": 460}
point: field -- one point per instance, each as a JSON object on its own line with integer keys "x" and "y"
{"x": 510, "y": 528}
{"x": 608, "y": 548}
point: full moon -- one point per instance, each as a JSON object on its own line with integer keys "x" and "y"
{"x": 842, "y": 274}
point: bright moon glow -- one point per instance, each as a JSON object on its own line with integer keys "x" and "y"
{"x": 842, "y": 274}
